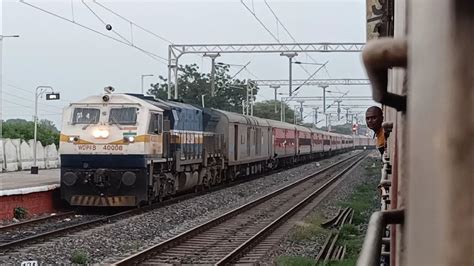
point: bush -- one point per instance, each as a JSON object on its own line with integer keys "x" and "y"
{"x": 20, "y": 213}
{"x": 79, "y": 257}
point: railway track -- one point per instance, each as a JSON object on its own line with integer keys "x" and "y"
{"x": 42, "y": 229}
{"x": 247, "y": 233}
{"x": 15, "y": 231}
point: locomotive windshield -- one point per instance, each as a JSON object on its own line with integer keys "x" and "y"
{"x": 86, "y": 116}
{"x": 123, "y": 116}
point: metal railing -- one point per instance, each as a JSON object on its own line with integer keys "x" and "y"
{"x": 372, "y": 248}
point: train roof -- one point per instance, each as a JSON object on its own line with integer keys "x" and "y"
{"x": 116, "y": 98}
{"x": 303, "y": 128}
{"x": 166, "y": 105}
{"x": 242, "y": 119}
{"x": 280, "y": 124}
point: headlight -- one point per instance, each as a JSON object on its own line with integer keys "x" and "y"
{"x": 129, "y": 139}
{"x": 73, "y": 138}
{"x": 100, "y": 133}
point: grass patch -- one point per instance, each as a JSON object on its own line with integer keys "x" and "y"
{"x": 346, "y": 262}
{"x": 294, "y": 261}
{"x": 309, "y": 228}
{"x": 79, "y": 257}
{"x": 352, "y": 238}
{"x": 363, "y": 201}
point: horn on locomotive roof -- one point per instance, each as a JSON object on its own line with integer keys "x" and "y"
{"x": 109, "y": 89}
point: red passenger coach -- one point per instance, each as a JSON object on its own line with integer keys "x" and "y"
{"x": 284, "y": 143}
{"x": 317, "y": 141}
{"x": 304, "y": 140}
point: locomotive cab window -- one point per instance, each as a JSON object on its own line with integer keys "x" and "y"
{"x": 156, "y": 124}
{"x": 123, "y": 116}
{"x": 86, "y": 116}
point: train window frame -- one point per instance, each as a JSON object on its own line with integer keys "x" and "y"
{"x": 128, "y": 123}
{"x": 155, "y": 129}
{"x": 74, "y": 114}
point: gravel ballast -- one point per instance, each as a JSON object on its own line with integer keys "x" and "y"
{"x": 309, "y": 248}
{"x": 106, "y": 243}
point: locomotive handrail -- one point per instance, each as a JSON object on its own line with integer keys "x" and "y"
{"x": 378, "y": 56}
{"x": 371, "y": 249}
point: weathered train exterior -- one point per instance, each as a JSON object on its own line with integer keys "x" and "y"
{"x": 427, "y": 213}
{"x": 129, "y": 149}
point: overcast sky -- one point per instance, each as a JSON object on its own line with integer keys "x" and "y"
{"x": 78, "y": 62}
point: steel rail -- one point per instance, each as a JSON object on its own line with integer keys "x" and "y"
{"x": 13, "y": 226}
{"x": 235, "y": 254}
{"x": 174, "y": 241}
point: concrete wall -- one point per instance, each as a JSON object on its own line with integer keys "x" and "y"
{"x": 17, "y": 155}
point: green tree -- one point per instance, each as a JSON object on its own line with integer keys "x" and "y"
{"x": 229, "y": 92}
{"x": 266, "y": 109}
{"x": 22, "y": 129}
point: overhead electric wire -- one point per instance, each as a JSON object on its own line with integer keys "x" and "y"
{"x": 240, "y": 70}
{"x": 259, "y": 21}
{"x": 292, "y": 37}
{"x": 30, "y": 92}
{"x": 314, "y": 60}
{"x": 29, "y": 100}
{"x": 21, "y": 105}
{"x": 252, "y": 74}
{"x": 150, "y": 54}
{"x": 278, "y": 20}
{"x": 103, "y": 22}
{"x": 133, "y": 23}
{"x": 269, "y": 31}
{"x": 28, "y": 106}
{"x": 310, "y": 77}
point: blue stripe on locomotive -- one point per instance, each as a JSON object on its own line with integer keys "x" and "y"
{"x": 88, "y": 161}
{"x": 184, "y": 118}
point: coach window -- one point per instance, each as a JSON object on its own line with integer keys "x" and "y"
{"x": 86, "y": 116}
{"x": 156, "y": 124}
{"x": 123, "y": 116}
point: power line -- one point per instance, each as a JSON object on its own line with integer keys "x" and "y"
{"x": 25, "y": 106}
{"x": 268, "y": 30}
{"x": 103, "y": 22}
{"x": 29, "y": 100}
{"x": 252, "y": 74}
{"x": 259, "y": 21}
{"x": 32, "y": 93}
{"x": 133, "y": 23}
{"x": 150, "y": 54}
{"x": 278, "y": 20}
{"x": 293, "y": 38}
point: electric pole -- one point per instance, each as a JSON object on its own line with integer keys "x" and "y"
{"x": 275, "y": 87}
{"x": 347, "y": 114}
{"x": 315, "y": 116}
{"x": 301, "y": 110}
{"x": 290, "y": 61}
{"x": 213, "y": 70}
{"x": 324, "y": 87}
{"x": 338, "y": 109}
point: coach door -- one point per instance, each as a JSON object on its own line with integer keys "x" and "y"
{"x": 236, "y": 142}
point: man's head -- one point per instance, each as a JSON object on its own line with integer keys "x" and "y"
{"x": 374, "y": 118}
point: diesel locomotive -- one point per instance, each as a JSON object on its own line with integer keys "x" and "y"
{"x": 130, "y": 149}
